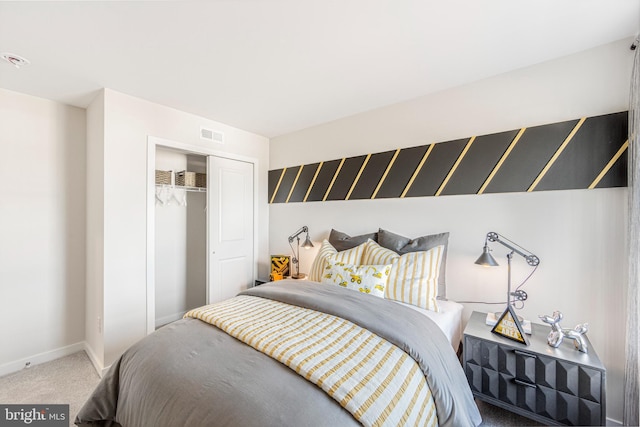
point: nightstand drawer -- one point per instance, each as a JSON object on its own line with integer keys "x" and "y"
{"x": 545, "y": 384}
{"x": 503, "y": 387}
{"x": 524, "y": 367}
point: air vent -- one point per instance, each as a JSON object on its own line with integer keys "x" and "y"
{"x": 212, "y": 135}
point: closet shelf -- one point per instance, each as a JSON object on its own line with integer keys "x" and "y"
{"x": 182, "y": 187}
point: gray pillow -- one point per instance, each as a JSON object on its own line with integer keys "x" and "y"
{"x": 342, "y": 241}
{"x": 403, "y": 245}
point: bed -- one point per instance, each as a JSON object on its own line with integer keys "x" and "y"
{"x": 194, "y": 373}
{"x": 448, "y": 319}
{"x": 369, "y": 339}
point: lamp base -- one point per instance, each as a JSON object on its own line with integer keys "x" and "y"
{"x": 299, "y": 276}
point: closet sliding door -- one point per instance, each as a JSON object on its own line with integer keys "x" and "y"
{"x": 230, "y": 225}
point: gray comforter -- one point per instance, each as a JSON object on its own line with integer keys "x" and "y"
{"x": 190, "y": 373}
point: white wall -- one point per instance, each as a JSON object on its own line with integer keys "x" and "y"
{"x": 580, "y": 236}
{"x": 42, "y": 229}
{"x": 128, "y": 123}
{"x": 95, "y": 232}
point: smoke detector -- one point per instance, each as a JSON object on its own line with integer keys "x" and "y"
{"x": 15, "y": 60}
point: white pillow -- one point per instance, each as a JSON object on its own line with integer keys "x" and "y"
{"x": 368, "y": 279}
{"x": 327, "y": 251}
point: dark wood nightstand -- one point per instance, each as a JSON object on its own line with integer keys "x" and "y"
{"x": 558, "y": 386}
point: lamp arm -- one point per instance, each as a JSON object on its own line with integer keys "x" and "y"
{"x": 303, "y": 229}
{"x": 531, "y": 259}
{"x": 295, "y": 256}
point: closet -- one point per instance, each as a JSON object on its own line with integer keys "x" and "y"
{"x": 180, "y": 235}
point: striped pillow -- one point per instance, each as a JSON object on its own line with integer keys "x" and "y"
{"x": 414, "y": 276}
{"x": 327, "y": 251}
{"x": 376, "y": 254}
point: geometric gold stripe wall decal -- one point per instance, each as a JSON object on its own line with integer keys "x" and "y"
{"x": 480, "y": 161}
{"x": 323, "y": 180}
{"x": 345, "y": 178}
{"x": 295, "y": 181}
{"x": 275, "y": 179}
{"x": 425, "y": 156}
{"x": 355, "y": 181}
{"x": 501, "y": 161}
{"x": 372, "y": 175}
{"x": 313, "y": 181}
{"x": 333, "y": 180}
{"x": 556, "y": 155}
{"x": 609, "y": 165}
{"x": 436, "y": 168}
{"x": 576, "y": 154}
{"x": 286, "y": 183}
{"x": 533, "y": 151}
{"x": 455, "y": 167}
{"x": 618, "y": 168}
{"x": 385, "y": 174}
{"x": 303, "y": 183}
{"x": 590, "y": 150}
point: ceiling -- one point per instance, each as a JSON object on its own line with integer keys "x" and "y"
{"x": 276, "y": 66}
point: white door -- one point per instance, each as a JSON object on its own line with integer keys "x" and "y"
{"x": 230, "y": 227}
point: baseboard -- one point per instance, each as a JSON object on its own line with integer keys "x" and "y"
{"x": 101, "y": 370}
{"x": 36, "y": 359}
{"x": 170, "y": 318}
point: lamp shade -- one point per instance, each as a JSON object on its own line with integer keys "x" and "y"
{"x": 307, "y": 243}
{"x": 486, "y": 259}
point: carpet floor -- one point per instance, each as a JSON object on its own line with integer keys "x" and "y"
{"x": 71, "y": 379}
{"x": 68, "y": 380}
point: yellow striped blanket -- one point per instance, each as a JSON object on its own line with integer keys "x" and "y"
{"x": 378, "y": 383}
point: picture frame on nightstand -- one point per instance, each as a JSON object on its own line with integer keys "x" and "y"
{"x": 279, "y": 267}
{"x": 509, "y": 327}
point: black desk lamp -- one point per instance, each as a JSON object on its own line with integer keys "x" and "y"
{"x": 489, "y": 261}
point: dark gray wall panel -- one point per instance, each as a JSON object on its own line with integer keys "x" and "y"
{"x": 401, "y": 172}
{"x": 345, "y": 178}
{"x": 327, "y": 171}
{"x": 477, "y": 164}
{"x": 371, "y": 175}
{"x": 595, "y": 143}
{"x": 285, "y": 185}
{"x": 594, "y": 156}
{"x": 529, "y": 156}
{"x": 617, "y": 175}
{"x": 304, "y": 180}
{"x": 436, "y": 168}
{"x": 274, "y": 176}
